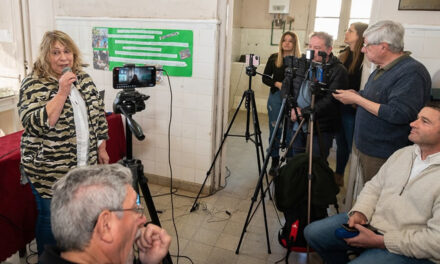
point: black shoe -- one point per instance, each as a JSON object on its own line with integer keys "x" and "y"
{"x": 273, "y": 171}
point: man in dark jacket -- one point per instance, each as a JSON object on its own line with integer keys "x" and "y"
{"x": 326, "y": 107}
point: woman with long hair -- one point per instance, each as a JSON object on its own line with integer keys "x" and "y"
{"x": 289, "y": 46}
{"x": 64, "y": 123}
{"x": 352, "y": 58}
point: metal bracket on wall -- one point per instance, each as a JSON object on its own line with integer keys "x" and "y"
{"x": 283, "y": 28}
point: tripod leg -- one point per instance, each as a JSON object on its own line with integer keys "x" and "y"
{"x": 258, "y": 140}
{"x": 150, "y": 205}
{"x": 194, "y": 206}
{"x": 139, "y": 180}
{"x": 260, "y": 179}
{"x": 260, "y": 151}
{"x": 283, "y": 158}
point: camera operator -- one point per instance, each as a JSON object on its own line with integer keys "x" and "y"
{"x": 325, "y": 107}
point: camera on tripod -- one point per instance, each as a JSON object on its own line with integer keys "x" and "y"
{"x": 252, "y": 62}
{"x": 127, "y": 78}
{"x": 318, "y": 71}
{"x": 129, "y": 101}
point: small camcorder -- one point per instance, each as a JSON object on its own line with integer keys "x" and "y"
{"x": 132, "y": 76}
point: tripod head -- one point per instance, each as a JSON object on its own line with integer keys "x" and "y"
{"x": 252, "y": 61}
{"x": 128, "y": 102}
{"x": 318, "y": 72}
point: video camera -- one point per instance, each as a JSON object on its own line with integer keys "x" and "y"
{"x": 129, "y": 77}
{"x": 318, "y": 71}
{"x": 307, "y": 69}
{"x": 129, "y": 101}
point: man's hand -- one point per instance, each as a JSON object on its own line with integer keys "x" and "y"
{"x": 293, "y": 114}
{"x": 357, "y": 218}
{"x": 153, "y": 244}
{"x": 347, "y": 96}
{"x": 103, "y": 157}
{"x": 366, "y": 238}
{"x": 278, "y": 85}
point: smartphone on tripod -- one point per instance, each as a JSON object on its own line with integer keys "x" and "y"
{"x": 255, "y": 59}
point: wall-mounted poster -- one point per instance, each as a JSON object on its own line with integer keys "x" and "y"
{"x": 419, "y": 5}
{"x": 167, "y": 48}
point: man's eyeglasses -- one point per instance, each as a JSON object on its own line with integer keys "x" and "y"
{"x": 365, "y": 45}
{"x": 138, "y": 209}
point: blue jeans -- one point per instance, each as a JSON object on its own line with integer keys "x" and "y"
{"x": 344, "y": 137}
{"x": 321, "y": 237}
{"x": 273, "y": 109}
{"x": 43, "y": 230}
{"x": 299, "y": 144}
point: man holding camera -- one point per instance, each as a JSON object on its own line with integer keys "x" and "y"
{"x": 402, "y": 202}
{"x": 326, "y": 109}
{"x": 393, "y": 95}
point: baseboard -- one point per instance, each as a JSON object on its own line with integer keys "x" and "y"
{"x": 179, "y": 184}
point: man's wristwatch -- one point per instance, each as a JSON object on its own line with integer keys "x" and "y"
{"x": 351, "y": 213}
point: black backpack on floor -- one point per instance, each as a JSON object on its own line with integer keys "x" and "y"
{"x": 291, "y": 235}
{"x": 291, "y": 187}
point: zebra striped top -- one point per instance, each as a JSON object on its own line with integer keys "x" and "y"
{"x": 48, "y": 153}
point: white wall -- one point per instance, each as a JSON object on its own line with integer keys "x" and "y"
{"x": 162, "y": 9}
{"x": 422, "y": 33}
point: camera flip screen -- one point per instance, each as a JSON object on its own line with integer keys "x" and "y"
{"x": 134, "y": 77}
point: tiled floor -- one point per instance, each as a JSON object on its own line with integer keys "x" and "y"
{"x": 211, "y": 233}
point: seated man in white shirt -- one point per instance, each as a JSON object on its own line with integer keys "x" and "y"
{"x": 401, "y": 202}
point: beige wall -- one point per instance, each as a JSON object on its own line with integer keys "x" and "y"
{"x": 255, "y": 14}
{"x": 252, "y": 33}
{"x": 422, "y": 33}
{"x": 389, "y": 10}
{"x": 164, "y": 9}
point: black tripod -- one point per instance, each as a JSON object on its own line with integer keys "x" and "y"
{"x": 251, "y": 108}
{"x": 317, "y": 85}
{"x": 135, "y": 165}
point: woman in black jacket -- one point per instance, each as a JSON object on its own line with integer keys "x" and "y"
{"x": 289, "y": 46}
{"x": 352, "y": 58}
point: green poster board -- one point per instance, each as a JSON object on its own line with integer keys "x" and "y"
{"x": 167, "y": 48}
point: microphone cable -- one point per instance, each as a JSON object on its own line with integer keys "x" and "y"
{"x": 171, "y": 170}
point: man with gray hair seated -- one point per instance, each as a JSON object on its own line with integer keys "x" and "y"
{"x": 393, "y": 95}
{"x": 96, "y": 218}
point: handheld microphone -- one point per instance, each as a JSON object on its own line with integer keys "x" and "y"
{"x": 68, "y": 69}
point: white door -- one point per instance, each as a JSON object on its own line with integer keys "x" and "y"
{"x": 12, "y": 60}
